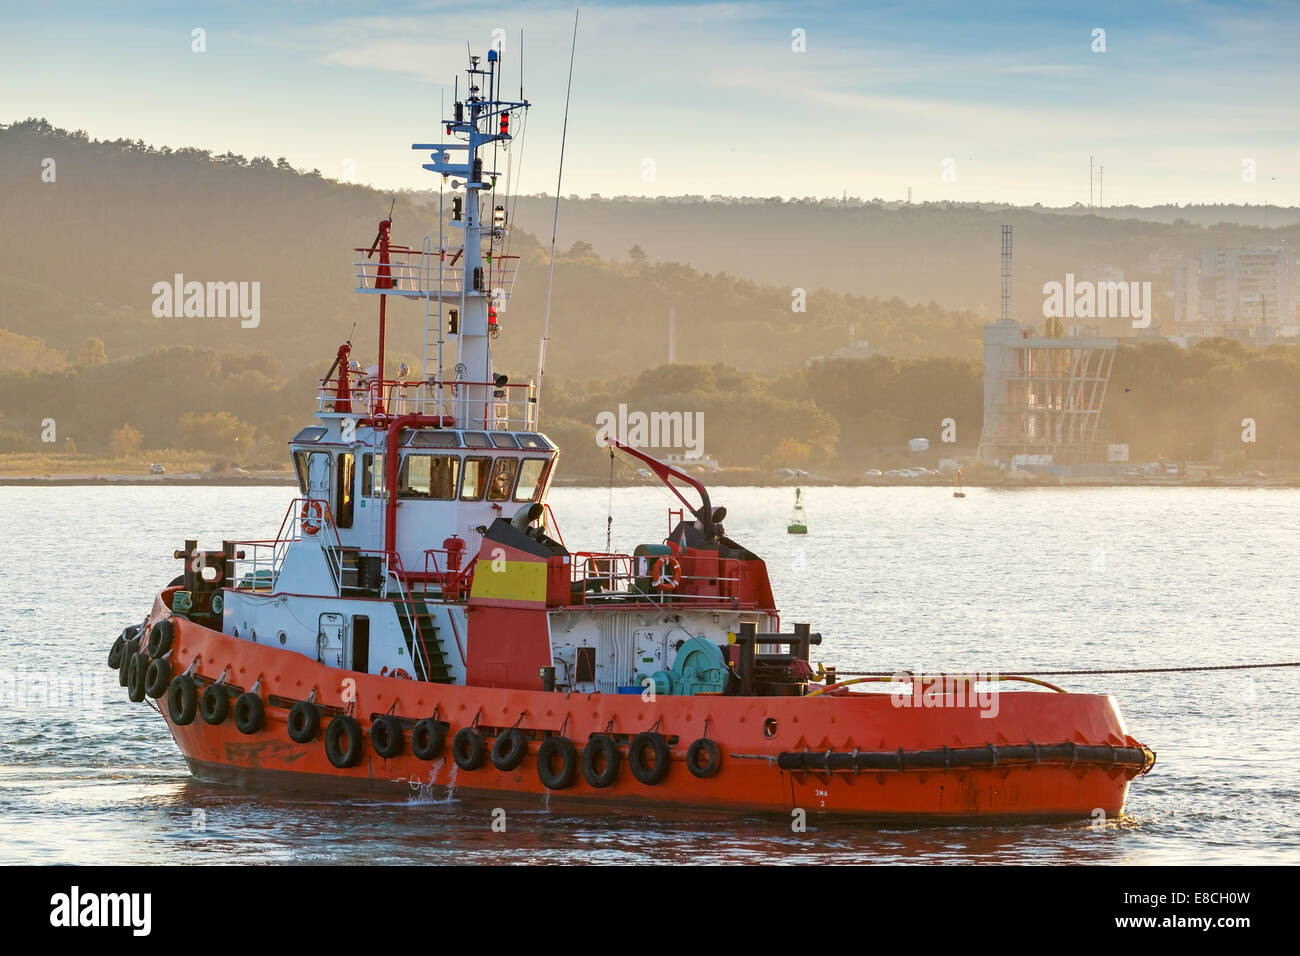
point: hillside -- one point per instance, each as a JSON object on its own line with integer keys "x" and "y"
{"x": 79, "y": 258}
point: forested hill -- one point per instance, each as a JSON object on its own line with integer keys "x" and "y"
{"x": 940, "y": 252}
{"x": 79, "y": 257}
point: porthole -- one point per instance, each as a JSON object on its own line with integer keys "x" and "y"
{"x": 769, "y": 727}
{"x": 284, "y": 638}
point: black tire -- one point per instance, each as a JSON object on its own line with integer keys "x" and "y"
{"x": 468, "y": 748}
{"x": 386, "y": 736}
{"x": 552, "y": 751}
{"x": 129, "y": 650}
{"x": 250, "y": 713}
{"x": 157, "y": 678}
{"x": 304, "y": 722}
{"x": 509, "y": 750}
{"x": 182, "y": 701}
{"x": 707, "y": 749}
{"x": 115, "y": 652}
{"x": 600, "y": 760}
{"x": 428, "y": 737}
{"x": 648, "y": 771}
{"x": 214, "y": 704}
{"x": 161, "y": 636}
{"x": 176, "y": 581}
{"x": 135, "y": 679}
{"x": 343, "y": 743}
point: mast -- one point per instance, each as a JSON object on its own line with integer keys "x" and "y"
{"x": 479, "y": 120}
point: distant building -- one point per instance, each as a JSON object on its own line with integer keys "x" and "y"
{"x": 1240, "y": 293}
{"x": 1043, "y": 396}
{"x": 858, "y": 349}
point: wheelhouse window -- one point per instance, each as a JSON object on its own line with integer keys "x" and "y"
{"x": 300, "y": 459}
{"x": 531, "y": 473}
{"x": 345, "y": 489}
{"x": 428, "y": 476}
{"x": 477, "y": 471}
{"x": 372, "y": 476}
{"x": 503, "y": 479}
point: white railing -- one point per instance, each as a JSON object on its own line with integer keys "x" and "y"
{"x": 415, "y": 273}
{"x": 459, "y": 404}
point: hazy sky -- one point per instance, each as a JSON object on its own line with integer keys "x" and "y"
{"x": 1012, "y": 93}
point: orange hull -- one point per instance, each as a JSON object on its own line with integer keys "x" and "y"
{"x": 752, "y": 734}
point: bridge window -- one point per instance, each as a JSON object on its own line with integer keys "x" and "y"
{"x": 504, "y": 440}
{"x": 300, "y": 464}
{"x": 372, "y": 476}
{"x": 503, "y": 478}
{"x": 346, "y": 464}
{"x": 476, "y": 478}
{"x": 428, "y": 476}
{"x": 534, "y": 442}
{"x": 477, "y": 440}
{"x": 531, "y": 471}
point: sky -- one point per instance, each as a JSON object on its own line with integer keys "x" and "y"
{"x": 1188, "y": 102}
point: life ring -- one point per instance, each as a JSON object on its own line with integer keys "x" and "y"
{"x": 311, "y": 525}
{"x": 428, "y": 737}
{"x": 250, "y": 713}
{"x": 182, "y": 701}
{"x": 600, "y": 759}
{"x": 666, "y": 575}
{"x": 509, "y": 750}
{"x": 386, "y": 736}
{"x": 304, "y": 722}
{"x": 712, "y": 758}
{"x": 343, "y": 726}
{"x": 398, "y": 672}
{"x": 653, "y": 771}
{"x": 557, "y": 763}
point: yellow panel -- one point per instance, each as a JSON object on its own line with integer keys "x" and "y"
{"x": 517, "y": 581}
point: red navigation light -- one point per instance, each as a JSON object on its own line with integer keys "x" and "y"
{"x": 492, "y": 315}
{"x": 505, "y": 123}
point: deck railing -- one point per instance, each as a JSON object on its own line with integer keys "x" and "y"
{"x": 511, "y": 407}
{"x": 415, "y": 273}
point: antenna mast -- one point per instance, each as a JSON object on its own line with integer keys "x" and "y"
{"x": 555, "y": 222}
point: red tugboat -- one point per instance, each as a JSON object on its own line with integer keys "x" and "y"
{"x": 418, "y": 619}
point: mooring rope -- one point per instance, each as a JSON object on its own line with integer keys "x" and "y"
{"x": 1117, "y": 670}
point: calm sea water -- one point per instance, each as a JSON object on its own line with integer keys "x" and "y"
{"x": 892, "y": 577}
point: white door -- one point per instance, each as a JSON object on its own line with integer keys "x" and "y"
{"x": 329, "y": 640}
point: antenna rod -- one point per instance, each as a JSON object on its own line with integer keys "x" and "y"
{"x": 555, "y": 224}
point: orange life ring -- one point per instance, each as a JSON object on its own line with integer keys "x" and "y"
{"x": 666, "y": 574}
{"x": 310, "y": 525}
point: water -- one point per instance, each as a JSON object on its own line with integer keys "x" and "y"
{"x": 893, "y": 577}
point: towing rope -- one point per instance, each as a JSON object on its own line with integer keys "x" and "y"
{"x": 1119, "y": 670}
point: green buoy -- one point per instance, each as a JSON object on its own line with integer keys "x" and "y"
{"x": 799, "y": 521}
